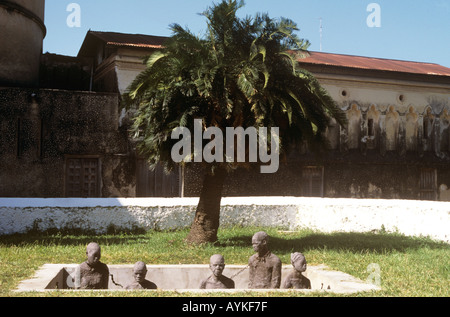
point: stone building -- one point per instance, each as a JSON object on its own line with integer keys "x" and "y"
{"x": 396, "y": 145}
{"x": 67, "y": 137}
{"x": 58, "y": 137}
{"x": 61, "y": 143}
{"x": 117, "y": 57}
{"x": 22, "y": 32}
{"x": 397, "y": 141}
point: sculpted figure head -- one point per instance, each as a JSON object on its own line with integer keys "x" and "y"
{"x": 93, "y": 253}
{"x": 298, "y": 261}
{"x": 140, "y": 271}
{"x": 217, "y": 264}
{"x": 139, "y": 275}
{"x": 259, "y": 242}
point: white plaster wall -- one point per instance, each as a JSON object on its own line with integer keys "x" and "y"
{"x": 412, "y": 218}
{"x": 409, "y": 217}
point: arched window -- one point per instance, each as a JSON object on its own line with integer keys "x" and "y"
{"x": 411, "y": 129}
{"x": 354, "y": 127}
{"x": 428, "y": 121}
{"x": 392, "y": 127}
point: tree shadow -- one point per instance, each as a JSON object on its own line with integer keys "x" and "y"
{"x": 75, "y": 237}
{"x": 342, "y": 241}
{"x": 278, "y": 241}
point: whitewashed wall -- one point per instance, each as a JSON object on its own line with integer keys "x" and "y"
{"x": 412, "y": 218}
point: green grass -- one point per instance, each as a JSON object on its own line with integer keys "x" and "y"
{"x": 410, "y": 267}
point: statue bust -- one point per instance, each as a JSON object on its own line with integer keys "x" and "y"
{"x": 264, "y": 267}
{"x": 217, "y": 280}
{"x": 295, "y": 279}
{"x": 139, "y": 274}
{"x": 93, "y": 273}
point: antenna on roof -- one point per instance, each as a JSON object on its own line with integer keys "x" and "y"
{"x": 321, "y": 34}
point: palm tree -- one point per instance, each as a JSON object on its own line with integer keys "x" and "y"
{"x": 242, "y": 73}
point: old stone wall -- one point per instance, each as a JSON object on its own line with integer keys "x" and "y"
{"x": 395, "y": 147}
{"x": 353, "y": 176}
{"x": 41, "y": 129}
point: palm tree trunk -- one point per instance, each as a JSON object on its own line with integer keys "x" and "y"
{"x": 207, "y": 217}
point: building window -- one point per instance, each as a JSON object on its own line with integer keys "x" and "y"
{"x": 312, "y": 181}
{"x": 426, "y": 129}
{"x": 370, "y": 127}
{"x": 83, "y": 177}
{"x": 428, "y": 184}
{"x": 428, "y": 122}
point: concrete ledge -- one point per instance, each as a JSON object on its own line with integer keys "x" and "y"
{"x": 187, "y": 278}
{"x": 412, "y": 218}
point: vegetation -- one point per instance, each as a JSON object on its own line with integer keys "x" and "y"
{"x": 242, "y": 73}
{"x": 410, "y": 267}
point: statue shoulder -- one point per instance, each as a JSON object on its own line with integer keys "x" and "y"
{"x": 275, "y": 258}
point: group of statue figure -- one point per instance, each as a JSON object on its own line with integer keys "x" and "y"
{"x": 264, "y": 270}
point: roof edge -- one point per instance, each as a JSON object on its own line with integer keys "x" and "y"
{"x": 374, "y": 64}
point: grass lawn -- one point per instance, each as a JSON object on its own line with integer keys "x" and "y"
{"x": 410, "y": 267}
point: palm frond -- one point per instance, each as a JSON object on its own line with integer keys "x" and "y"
{"x": 241, "y": 72}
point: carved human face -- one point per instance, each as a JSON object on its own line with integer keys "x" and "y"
{"x": 139, "y": 275}
{"x": 93, "y": 254}
{"x": 217, "y": 265}
{"x": 140, "y": 272}
{"x": 258, "y": 243}
{"x": 299, "y": 264}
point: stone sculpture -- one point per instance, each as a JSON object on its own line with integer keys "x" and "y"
{"x": 93, "y": 273}
{"x": 139, "y": 273}
{"x": 264, "y": 267}
{"x": 217, "y": 280}
{"x": 296, "y": 279}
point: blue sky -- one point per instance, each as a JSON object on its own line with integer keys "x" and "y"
{"x": 415, "y": 30}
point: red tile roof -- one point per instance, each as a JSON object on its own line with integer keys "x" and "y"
{"x": 89, "y": 46}
{"x": 134, "y": 40}
{"x": 315, "y": 58}
{"x": 371, "y": 63}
